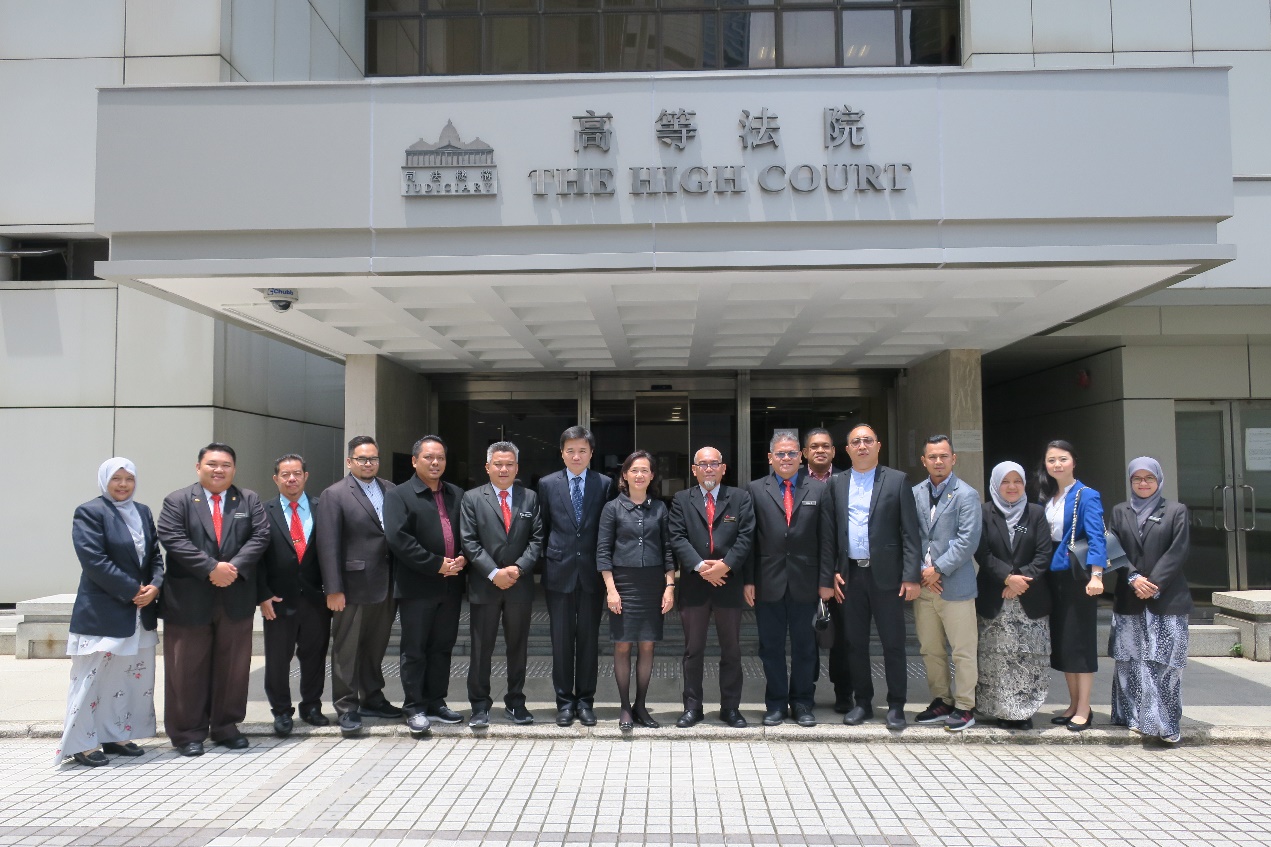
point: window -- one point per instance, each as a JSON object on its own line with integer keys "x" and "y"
{"x": 449, "y": 37}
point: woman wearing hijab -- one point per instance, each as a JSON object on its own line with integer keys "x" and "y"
{"x": 1075, "y": 513}
{"x": 1149, "y": 613}
{"x": 1013, "y": 602}
{"x": 112, "y": 640}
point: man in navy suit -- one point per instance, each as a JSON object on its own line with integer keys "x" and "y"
{"x": 297, "y": 621}
{"x": 571, "y": 500}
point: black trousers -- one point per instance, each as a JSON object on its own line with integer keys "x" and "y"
{"x": 302, "y": 629}
{"x": 838, "y": 661}
{"x": 575, "y": 628}
{"x": 430, "y": 627}
{"x": 696, "y": 619}
{"x": 775, "y": 620}
{"x": 865, "y": 600}
{"x": 359, "y": 639}
{"x": 484, "y": 621}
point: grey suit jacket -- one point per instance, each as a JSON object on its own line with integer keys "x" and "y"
{"x": 951, "y": 536}
{"x": 489, "y": 547}
{"x": 353, "y": 553}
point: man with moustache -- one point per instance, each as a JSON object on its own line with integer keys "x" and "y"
{"x": 712, "y": 529}
{"x": 818, "y": 450}
{"x": 214, "y": 534}
{"x": 356, "y": 576}
{"x": 297, "y": 621}
{"x": 421, "y": 520}
{"x": 794, "y": 554}
{"x": 878, "y": 570}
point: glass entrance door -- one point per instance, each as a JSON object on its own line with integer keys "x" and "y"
{"x": 1224, "y": 479}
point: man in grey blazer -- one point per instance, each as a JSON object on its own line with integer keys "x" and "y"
{"x": 357, "y": 574}
{"x": 949, "y": 522}
{"x": 502, "y": 533}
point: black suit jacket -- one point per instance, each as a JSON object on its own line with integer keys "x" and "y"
{"x": 798, "y": 558}
{"x": 280, "y": 574}
{"x": 1159, "y": 553}
{"x": 490, "y": 547}
{"x": 185, "y": 528}
{"x": 1030, "y": 556}
{"x": 112, "y": 574}
{"x": 569, "y": 556}
{"x": 733, "y": 535}
{"x": 894, "y": 545}
{"x": 353, "y": 553}
{"x": 413, "y": 526}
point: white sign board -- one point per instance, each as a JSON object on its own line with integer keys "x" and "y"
{"x": 1258, "y": 449}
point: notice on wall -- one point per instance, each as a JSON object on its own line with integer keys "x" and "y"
{"x": 1258, "y": 449}
{"x": 968, "y": 440}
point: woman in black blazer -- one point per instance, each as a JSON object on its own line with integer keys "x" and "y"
{"x": 1013, "y": 603}
{"x": 113, "y": 638}
{"x": 1150, "y": 608}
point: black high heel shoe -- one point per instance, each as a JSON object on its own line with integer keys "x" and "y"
{"x": 624, "y": 721}
{"x": 1061, "y": 720}
{"x": 643, "y": 718}
{"x": 1082, "y": 727}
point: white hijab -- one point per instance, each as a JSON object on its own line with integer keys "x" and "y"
{"x": 1011, "y": 511}
{"x": 127, "y": 508}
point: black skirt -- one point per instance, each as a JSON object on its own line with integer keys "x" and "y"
{"x": 1074, "y": 637}
{"x": 641, "y": 591}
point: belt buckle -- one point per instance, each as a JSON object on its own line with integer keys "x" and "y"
{"x": 861, "y": 563}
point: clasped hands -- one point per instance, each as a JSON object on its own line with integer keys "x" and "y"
{"x": 1016, "y": 584}
{"x": 223, "y": 575}
{"x": 145, "y": 596}
{"x": 1145, "y": 589}
{"x": 714, "y": 571}
{"x": 505, "y": 578}
{"x": 453, "y": 567}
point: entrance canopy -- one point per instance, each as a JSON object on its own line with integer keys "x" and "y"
{"x": 778, "y": 219}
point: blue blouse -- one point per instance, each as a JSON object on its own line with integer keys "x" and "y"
{"x": 1089, "y": 527}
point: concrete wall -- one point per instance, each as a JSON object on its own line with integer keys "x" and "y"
{"x": 388, "y": 402}
{"x": 943, "y": 395}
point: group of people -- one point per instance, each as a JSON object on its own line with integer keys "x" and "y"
{"x": 1000, "y": 589}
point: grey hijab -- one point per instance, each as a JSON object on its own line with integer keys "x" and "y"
{"x": 1145, "y": 507}
{"x": 1012, "y": 511}
{"x": 127, "y": 508}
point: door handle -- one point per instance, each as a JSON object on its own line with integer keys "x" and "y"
{"x": 1253, "y": 509}
{"x": 1217, "y": 501}
{"x": 1226, "y": 524}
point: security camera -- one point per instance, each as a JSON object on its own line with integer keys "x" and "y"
{"x": 281, "y": 298}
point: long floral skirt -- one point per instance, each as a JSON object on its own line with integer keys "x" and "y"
{"x": 1147, "y": 692}
{"x": 1014, "y": 658}
{"x": 111, "y": 698}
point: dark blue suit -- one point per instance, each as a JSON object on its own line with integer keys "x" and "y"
{"x": 112, "y": 574}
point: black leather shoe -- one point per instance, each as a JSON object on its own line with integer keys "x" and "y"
{"x": 774, "y": 718}
{"x": 382, "y": 710}
{"x": 445, "y": 714}
{"x": 518, "y": 715}
{"x": 896, "y": 718}
{"x": 733, "y": 718}
{"x": 689, "y": 718}
{"x": 125, "y": 749}
{"x": 238, "y": 742}
{"x": 283, "y": 725}
{"x": 1074, "y": 726}
{"x": 804, "y": 716}
{"x": 480, "y": 719}
{"x": 350, "y": 723}
{"x": 642, "y": 717}
{"x": 857, "y": 715}
{"x": 1060, "y": 720}
{"x": 91, "y": 759}
{"x": 194, "y": 748}
{"x": 315, "y": 718}
{"x": 586, "y": 716}
{"x": 565, "y": 716}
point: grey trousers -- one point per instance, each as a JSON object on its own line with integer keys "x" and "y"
{"x": 359, "y": 639}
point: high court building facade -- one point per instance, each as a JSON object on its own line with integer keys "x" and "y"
{"x": 280, "y": 224}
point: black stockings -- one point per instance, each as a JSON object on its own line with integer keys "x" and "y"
{"x": 622, "y": 673}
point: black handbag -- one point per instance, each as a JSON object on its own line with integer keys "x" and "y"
{"x": 821, "y": 625}
{"x": 1079, "y": 550}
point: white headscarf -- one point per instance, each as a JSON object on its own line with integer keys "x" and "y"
{"x": 1145, "y": 507}
{"x": 1012, "y": 511}
{"x": 127, "y": 508}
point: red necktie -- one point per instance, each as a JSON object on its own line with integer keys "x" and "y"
{"x": 297, "y": 532}
{"x": 710, "y": 520}
{"x": 216, "y": 516}
{"x": 507, "y": 511}
{"x": 788, "y": 497}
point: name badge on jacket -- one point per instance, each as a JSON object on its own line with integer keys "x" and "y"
{"x": 527, "y": 514}
{"x": 730, "y": 519}
{"x": 809, "y": 502}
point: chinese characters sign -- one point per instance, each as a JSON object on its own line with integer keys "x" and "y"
{"x": 450, "y": 168}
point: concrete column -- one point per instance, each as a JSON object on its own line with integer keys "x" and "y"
{"x": 386, "y": 401}
{"x": 942, "y": 395}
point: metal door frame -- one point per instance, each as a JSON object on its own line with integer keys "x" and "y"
{"x": 1245, "y": 498}
{"x": 1225, "y": 491}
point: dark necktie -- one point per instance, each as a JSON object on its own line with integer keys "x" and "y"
{"x": 710, "y": 520}
{"x": 576, "y": 494}
{"x": 216, "y": 517}
{"x": 297, "y": 532}
{"x": 788, "y": 498}
{"x": 507, "y": 511}
{"x": 447, "y": 531}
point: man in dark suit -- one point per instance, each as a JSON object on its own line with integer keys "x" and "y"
{"x": 297, "y": 621}
{"x": 356, "y": 576}
{"x": 794, "y": 555}
{"x": 421, "y": 520}
{"x": 214, "y": 534}
{"x": 712, "y": 530}
{"x": 502, "y": 531}
{"x": 878, "y": 570}
{"x": 571, "y": 500}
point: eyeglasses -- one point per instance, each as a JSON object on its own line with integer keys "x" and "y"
{"x": 786, "y": 454}
{"x": 365, "y": 461}
{"x": 862, "y": 442}
{"x": 708, "y": 466}
{"x": 1143, "y": 480}
{"x": 291, "y": 474}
